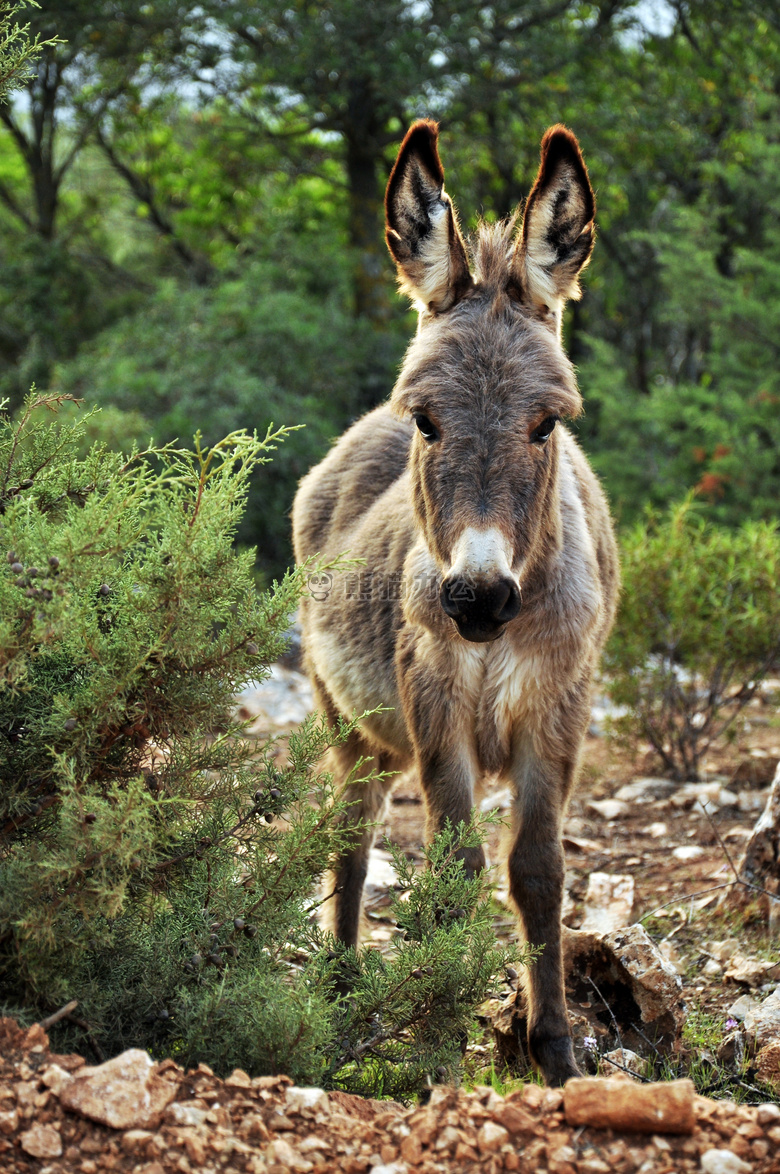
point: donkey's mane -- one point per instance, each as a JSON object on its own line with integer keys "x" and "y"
{"x": 491, "y": 247}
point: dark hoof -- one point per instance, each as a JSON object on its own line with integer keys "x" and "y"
{"x": 555, "y": 1060}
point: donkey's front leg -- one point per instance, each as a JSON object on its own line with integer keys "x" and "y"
{"x": 437, "y": 718}
{"x": 536, "y": 872}
{"x": 447, "y": 777}
{"x": 364, "y": 803}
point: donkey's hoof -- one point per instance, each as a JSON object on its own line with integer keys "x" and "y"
{"x": 555, "y": 1060}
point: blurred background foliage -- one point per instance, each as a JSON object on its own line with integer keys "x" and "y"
{"x": 191, "y": 228}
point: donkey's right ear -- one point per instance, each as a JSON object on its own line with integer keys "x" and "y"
{"x": 422, "y": 229}
{"x": 558, "y": 230}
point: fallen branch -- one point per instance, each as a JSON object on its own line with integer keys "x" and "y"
{"x": 63, "y": 1013}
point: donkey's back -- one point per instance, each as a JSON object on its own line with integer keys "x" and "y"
{"x": 360, "y": 469}
{"x": 489, "y": 575}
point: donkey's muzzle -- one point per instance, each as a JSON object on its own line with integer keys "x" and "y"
{"x": 480, "y": 610}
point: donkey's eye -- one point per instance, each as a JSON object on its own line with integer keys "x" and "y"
{"x": 427, "y": 430}
{"x": 544, "y": 430}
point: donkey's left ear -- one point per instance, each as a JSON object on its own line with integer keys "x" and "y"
{"x": 558, "y": 229}
{"x": 422, "y": 228}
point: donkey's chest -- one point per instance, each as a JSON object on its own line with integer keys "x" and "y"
{"x": 501, "y": 693}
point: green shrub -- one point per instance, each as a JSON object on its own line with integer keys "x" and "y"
{"x": 698, "y": 628}
{"x": 155, "y": 864}
{"x": 409, "y": 1014}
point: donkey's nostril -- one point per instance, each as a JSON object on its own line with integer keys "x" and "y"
{"x": 490, "y": 604}
{"x": 455, "y": 597}
{"x": 508, "y": 609}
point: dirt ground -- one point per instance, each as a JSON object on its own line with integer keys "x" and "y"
{"x": 673, "y": 857}
{"x": 669, "y": 849}
{"x": 679, "y": 850}
{"x": 185, "y": 1122}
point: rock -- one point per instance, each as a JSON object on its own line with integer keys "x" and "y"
{"x": 491, "y": 1137}
{"x": 381, "y": 876}
{"x": 751, "y": 800}
{"x": 640, "y": 988}
{"x": 629, "y": 1064}
{"x": 311, "y": 1144}
{"x": 751, "y": 971}
{"x": 510, "y": 1025}
{"x": 136, "y": 1140}
{"x": 688, "y": 852}
{"x": 731, "y": 1049}
{"x": 41, "y": 1141}
{"x": 723, "y": 1162}
{"x": 605, "y": 1103}
{"x": 741, "y": 1006}
{"x": 656, "y": 987}
{"x": 35, "y": 1039}
{"x": 311, "y": 1099}
{"x": 56, "y": 1078}
{"x": 279, "y": 702}
{"x": 656, "y": 830}
{"x": 762, "y": 1023}
{"x": 768, "y": 1114}
{"x": 710, "y": 796}
{"x": 283, "y": 1154}
{"x": 26, "y": 1092}
{"x": 580, "y": 844}
{"x": 447, "y": 1139}
{"x": 670, "y": 952}
{"x": 712, "y": 969}
{"x": 722, "y": 950}
{"x": 593, "y": 1165}
{"x": 767, "y": 1064}
{"x": 9, "y": 1121}
{"x": 123, "y": 1093}
{"x": 609, "y": 902}
{"x": 499, "y": 801}
{"x": 609, "y": 808}
{"x": 514, "y": 1118}
{"x": 638, "y": 984}
{"x": 411, "y": 1149}
{"x": 186, "y": 1113}
{"x": 646, "y": 790}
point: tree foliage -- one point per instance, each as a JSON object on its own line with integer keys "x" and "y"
{"x": 199, "y": 149}
{"x": 18, "y": 50}
{"x": 697, "y": 631}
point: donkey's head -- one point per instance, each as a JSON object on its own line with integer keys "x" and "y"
{"x": 486, "y": 379}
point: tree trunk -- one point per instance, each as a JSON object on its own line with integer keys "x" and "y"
{"x": 46, "y": 189}
{"x": 372, "y": 261}
{"x": 760, "y": 863}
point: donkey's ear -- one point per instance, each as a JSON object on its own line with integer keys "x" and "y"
{"x": 422, "y": 228}
{"x": 558, "y": 229}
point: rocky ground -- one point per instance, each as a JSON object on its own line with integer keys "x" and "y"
{"x": 58, "y": 1116}
{"x": 664, "y": 981}
{"x": 640, "y": 850}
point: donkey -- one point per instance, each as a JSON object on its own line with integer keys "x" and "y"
{"x": 491, "y": 571}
